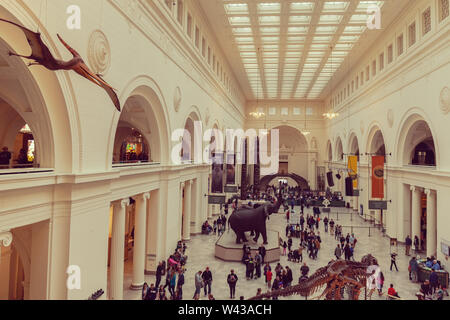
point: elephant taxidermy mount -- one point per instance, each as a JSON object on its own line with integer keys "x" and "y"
{"x": 42, "y": 56}
{"x": 253, "y": 219}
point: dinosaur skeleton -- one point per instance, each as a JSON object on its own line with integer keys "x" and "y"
{"x": 335, "y": 277}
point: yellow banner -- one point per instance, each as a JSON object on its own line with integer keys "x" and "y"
{"x": 353, "y": 169}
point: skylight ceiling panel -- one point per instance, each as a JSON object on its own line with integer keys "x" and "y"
{"x": 299, "y": 20}
{"x": 269, "y": 31}
{"x": 270, "y": 47}
{"x": 291, "y": 60}
{"x": 291, "y": 65}
{"x": 247, "y": 47}
{"x": 326, "y": 29}
{"x": 358, "y": 19}
{"x": 330, "y": 19}
{"x": 322, "y": 39}
{"x": 355, "y": 30}
{"x": 302, "y": 7}
{"x": 242, "y": 31}
{"x": 236, "y": 8}
{"x": 364, "y": 5}
{"x": 296, "y": 39}
{"x": 244, "y": 40}
{"x": 269, "y": 7}
{"x": 348, "y": 39}
{"x": 239, "y": 21}
{"x": 335, "y": 6}
{"x": 316, "y": 53}
{"x": 271, "y": 54}
{"x": 248, "y": 54}
{"x": 270, "y": 40}
{"x": 319, "y": 46}
{"x": 270, "y": 60}
{"x": 299, "y": 30}
{"x": 313, "y": 60}
{"x": 294, "y": 47}
{"x": 269, "y": 20}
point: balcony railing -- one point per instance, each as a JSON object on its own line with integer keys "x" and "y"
{"x": 132, "y": 164}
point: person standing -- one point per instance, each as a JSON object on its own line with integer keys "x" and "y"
{"x": 289, "y": 244}
{"x": 198, "y": 285}
{"x": 232, "y": 281}
{"x": 338, "y": 252}
{"x": 434, "y": 281}
{"x": 413, "y": 268}
{"x": 284, "y": 248}
{"x": 159, "y": 274}
{"x": 325, "y": 223}
{"x": 207, "y": 280}
{"x": 416, "y": 244}
{"x": 408, "y": 243}
{"x": 180, "y": 284}
{"x": 152, "y": 292}
{"x": 5, "y": 157}
{"x": 289, "y": 277}
{"x": 380, "y": 283}
{"x": 145, "y": 291}
{"x": 276, "y": 286}
{"x": 258, "y": 263}
{"x": 262, "y": 252}
{"x": 393, "y": 260}
{"x": 304, "y": 270}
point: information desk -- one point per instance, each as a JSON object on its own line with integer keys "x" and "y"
{"x": 424, "y": 273}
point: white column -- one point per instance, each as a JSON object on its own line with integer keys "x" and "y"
{"x": 431, "y": 223}
{"x": 182, "y": 185}
{"x": 118, "y": 249}
{"x": 187, "y": 212}
{"x": 140, "y": 225}
{"x": 415, "y": 212}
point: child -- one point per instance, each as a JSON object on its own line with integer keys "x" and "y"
{"x": 269, "y": 278}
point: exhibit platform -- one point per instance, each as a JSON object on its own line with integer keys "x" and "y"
{"x": 228, "y": 250}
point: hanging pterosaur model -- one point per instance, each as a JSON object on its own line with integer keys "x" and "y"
{"x": 42, "y": 56}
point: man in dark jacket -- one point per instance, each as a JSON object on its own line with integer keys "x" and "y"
{"x": 262, "y": 252}
{"x": 434, "y": 281}
{"x": 232, "y": 280}
{"x": 408, "y": 243}
{"x": 152, "y": 292}
{"x": 207, "y": 280}
{"x": 289, "y": 277}
{"x": 304, "y": 269}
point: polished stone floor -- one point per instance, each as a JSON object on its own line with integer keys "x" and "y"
{"x": 201, "y": 254}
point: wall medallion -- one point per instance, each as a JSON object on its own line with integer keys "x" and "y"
{"x": 99, "y": 52}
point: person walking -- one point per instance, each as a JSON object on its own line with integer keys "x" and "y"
{"x": 325, "y": 224}
{"x": 393, "y": 261}
{"x": 408, "y": 243}
{"x": 380, "y": 283}
{"x": 198, "y": 281}
{"x": 338, "y": 252}
{"x": 284, "y": 248}
{"x": 232, "y": 280}
{"x": 180, "y": 283}
{"x": 207, "y": 280}
{"x": 413, "y": 269}
{"x": 289, "y": 244}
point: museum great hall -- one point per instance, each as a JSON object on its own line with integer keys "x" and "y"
{"x": 105, "y": 195}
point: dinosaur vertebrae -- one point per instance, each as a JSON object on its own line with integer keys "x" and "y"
{"x": 336, "y": 276}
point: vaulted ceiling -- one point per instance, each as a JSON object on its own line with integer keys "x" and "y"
{"x": 290, "y": 49}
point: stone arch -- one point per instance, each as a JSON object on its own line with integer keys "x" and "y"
{"x": 43, "y": 99}
{"x": 376, "y": 143}
{"x": 143, "y": 94}
{"x": 415, "y": 129}
{"x": 339, "y": 149}
{"x": 353, "y": 145}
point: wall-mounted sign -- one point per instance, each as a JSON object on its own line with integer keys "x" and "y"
{"x": 216, "y": 199}
{"x": 231, "y": 189}
{"x": 377, "y": 205}
{"x": 445, "y": 248}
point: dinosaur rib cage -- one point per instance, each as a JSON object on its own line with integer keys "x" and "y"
{"x": 337, "y": 276}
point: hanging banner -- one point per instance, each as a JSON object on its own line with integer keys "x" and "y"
{"x": 231, "y": 169}
{"x": 353, "y": 170}
{"x": 378, "y": 177}
{"x": 217, "y": 173}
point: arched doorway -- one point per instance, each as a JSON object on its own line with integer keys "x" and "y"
{"x": 339, "y": 150}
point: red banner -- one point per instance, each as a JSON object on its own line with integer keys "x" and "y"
{"x": 378, "y": 177}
